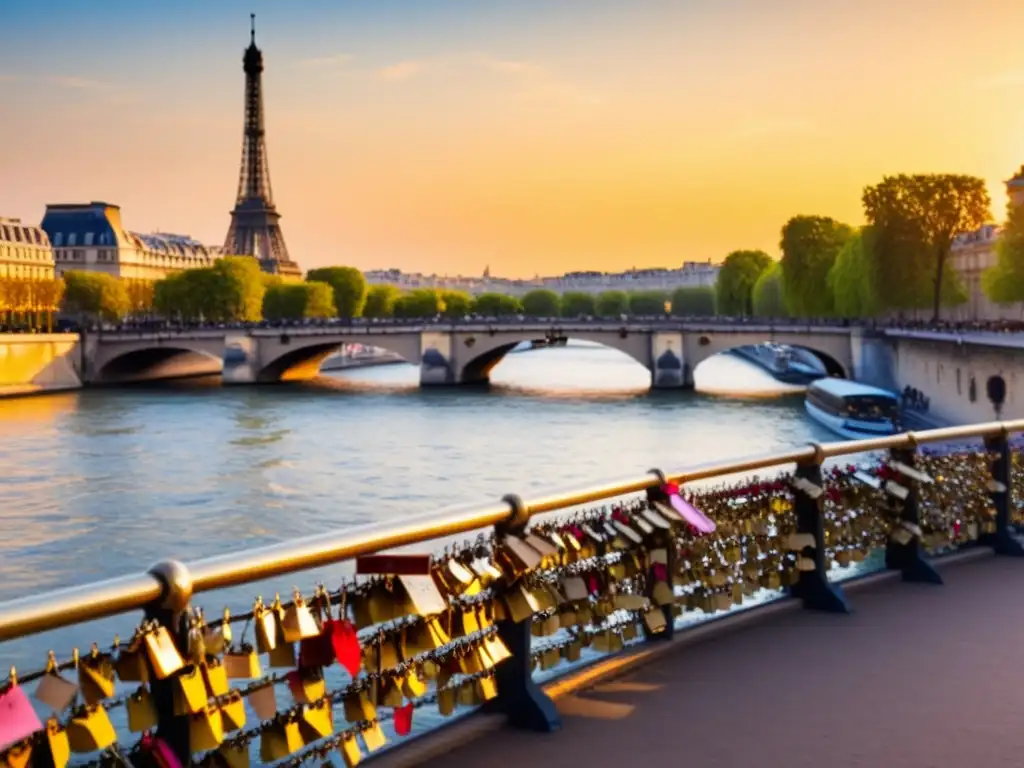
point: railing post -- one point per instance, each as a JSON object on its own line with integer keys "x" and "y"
{"x": 666, "y": 540}
{"x": 908, "y": 555}
{"x": 813, "y": 586}
{"x": 171, "y": 611}
{"x": 1002, "y": 540}
{"x": 519, "y": 697}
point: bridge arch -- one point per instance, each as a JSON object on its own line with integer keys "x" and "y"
{"x": 476, "y": 354}
{"x": 284, "y": 357}
{"x": 833, "y": 350}
{"x": 154, "y": 362}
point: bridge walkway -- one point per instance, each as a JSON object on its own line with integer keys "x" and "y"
{"x": 920, "y": 676}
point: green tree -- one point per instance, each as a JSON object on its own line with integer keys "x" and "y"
{"x": 735, "y": 287}
{"x": 768, "y": 296}
{"x": 1004, "y": 282}
{"x": 916, "y": 219}
{"x": 809, "y": 246}
{"x": 697, "y": 301}
{"x": 421, "y": 302}
{"x": 612, "y": 304}
{"x": 349, "y": 287}
{"x": 577, "y": 304}
{"x": 851, "y": 280}
{"x": 296, "y": 301}
{"x": 239, "y": 287}
{"x": 647, "y": 302}
{"x": 496, "y": 305}
{"x": 456, "y": 303}
{"x": 96, "y": 294}
{"x": 542, "y": 303}
{"x": 380, "y": 301}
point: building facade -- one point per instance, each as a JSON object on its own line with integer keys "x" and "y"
{"x": 91, "y": 237}
{"x": 25, "y": 251}
{"x": 975, "y": 252}
{"x": 690, "y": 274}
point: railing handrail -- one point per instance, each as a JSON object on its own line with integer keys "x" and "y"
{"x": 74, "y": 605}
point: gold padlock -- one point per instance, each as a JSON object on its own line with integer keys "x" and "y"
{"x": 233, "y": 712}
{"x": 163, "y": 653}
{"x": 206, "y": 730}
{"x": 215, "y": 677}
{"x": 96, "y": 676}
{"x": 317, "y": 722}
{"x": 141, "y": 711}
{"x": 56, "y": 744}
{"x": 189, "y": 691}
{"x": 279, "y": 740}
{"x": 90, "y": 730}
{"x": 350, "y": 751}
{"x": 358, "y": 707}
{"x": 130, "y": 664}
{"x": 242, "y": 663}
{"x": 298, "y": 622}
{"x": 235, "y": 755}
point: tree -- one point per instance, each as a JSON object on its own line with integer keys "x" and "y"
{"x": 380, "y": 301}
{"x": 1004, "y": 282}
{"x": 809, "y": 246}
{"x": 768, "y": 296}
{"x": 916, "y": 219}
{"x": 422, "y": 302}
{"x": 297, "y": 301}
{"x": 693, "y": 301}
{"x": 647, "y": 302}
{"x": 140, "y": 296}
{"x": 612, "y": 304}
{"x": 239, "y": 282}
{"x": 577, "y": 304}
{"x": 96, "y": 294}
{"x": 736, "y": 279}
{"x": 496, "y": 305}
{"x": 542, "y": 303}
{"x": 349, "y": 287}
{"x": 851, "y": 280}
{"x": 47, "y": 294}
{"x": 456, "y": 303}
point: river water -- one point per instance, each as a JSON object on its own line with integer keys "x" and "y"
{"x": 103, "y": 482}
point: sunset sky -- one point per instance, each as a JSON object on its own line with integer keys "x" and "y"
{"x": 532, "y": 136}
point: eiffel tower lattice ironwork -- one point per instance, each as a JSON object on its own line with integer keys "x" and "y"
{"x": 255, "y": 223}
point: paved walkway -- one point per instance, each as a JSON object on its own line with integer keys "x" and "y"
{"x": 919, "y": 677}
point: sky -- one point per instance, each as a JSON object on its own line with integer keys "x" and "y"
{"x": 533, "y": 137}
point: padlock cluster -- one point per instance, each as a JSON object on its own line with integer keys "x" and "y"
{"x": 297, "y": 680}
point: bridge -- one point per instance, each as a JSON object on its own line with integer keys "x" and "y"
{"x": 447, "y": 353}
{"x": 860, "y": 617}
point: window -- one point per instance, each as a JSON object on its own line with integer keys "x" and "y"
{"x": 58, "y": 240}
{"x": 88, "y": 238}
{"x": 77, "y": 255}
{"x": 71, "y": 239}
{"x": 17, "y": 234}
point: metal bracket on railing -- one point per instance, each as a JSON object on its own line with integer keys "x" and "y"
{"x": 177, "y": 584}
{"x": 520, "y": 514}
{"x": 658, "y": 474}
{"x": 819, "y": 454}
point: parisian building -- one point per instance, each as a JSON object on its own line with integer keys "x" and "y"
{"x": 25, "y": 251}
{"x": 91, "y": 237}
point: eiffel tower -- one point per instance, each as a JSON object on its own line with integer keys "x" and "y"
{"x": 254, "y": 229}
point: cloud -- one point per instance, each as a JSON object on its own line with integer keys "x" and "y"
{"x": 772, "y": 126}
{"x": 1003, "y": 80}
{"x": 78, "y": 83}
{"x": 403, "y": 70}
{"x": 324, "y": 62}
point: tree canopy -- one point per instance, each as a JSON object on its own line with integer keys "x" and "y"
{"x": 809, "y": 246}
{"x": 456, "y": 303}
{"x": 97, "y": 294}
{"x": 735, "y": 287}
{"x": 421, "y": 302}
{"x": 541, "y": 303}
{"x": 612, "y": 304}
{"x": 915, "y": 220}
{"x": 851, "y": 281}
{"x": 349, "y": 288}
{"x": 229, "y": 291}
{"x": 1004, "y": 282}
{"x": 695, "y": 301}
{"x": 577, "y": 303}
{"x": 647, "y": 302}
{"x": 297, "y": 301}
{"x": 496, "y": 305}
{"x": 768, "y": 297}
{"x": 380, "y": 301}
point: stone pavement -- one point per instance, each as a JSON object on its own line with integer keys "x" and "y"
{"x": 919, "y": 677}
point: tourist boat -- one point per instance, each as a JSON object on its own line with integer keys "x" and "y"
{"x": 786, "y": 364}
{"x": 854, "y": 411}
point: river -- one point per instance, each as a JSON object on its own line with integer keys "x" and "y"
{"x": 102, "y": 482}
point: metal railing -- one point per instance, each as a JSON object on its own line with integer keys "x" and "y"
{"x": 62, "y": 608}
{"x": 164, "y": 592}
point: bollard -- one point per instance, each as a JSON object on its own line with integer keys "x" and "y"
{"x": 519, "y": 697}
{"x": 171, "y": 611}
{"x": 1002, "y": 540}
{"x": 813, "y": 586}
{"x": 909, "y": 557}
